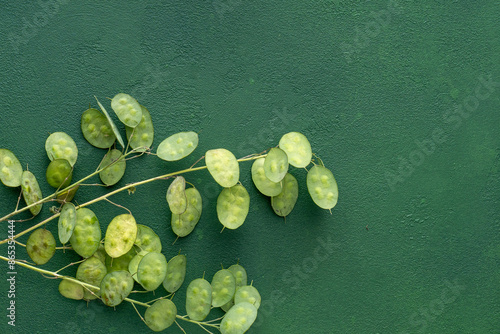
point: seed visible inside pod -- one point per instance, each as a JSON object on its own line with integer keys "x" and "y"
{"x": 276, "y": 165}
{"x": 115, "y": 287}
{"x": 147, "y": 240}
{"x": 59, "y": 145}
{"x": 10, "y": 169}
{"x": 176, "y": 196}
{"x": 86, "y": 234}
{"x": 198, "y": 299}
{"x": 223, "y": 287}
{"x": 322, "y": 187}
{"x": 152, "y": 270}
{"x": 248, "y": 294}
{"x": 59, "y": 173}
{"x": 223, "y": 166}
{"x": 239, "y": 273}
{"x": 41, "y": 246}
{"x": 160, "y": 315}
{"x": 232, "y": 206}
{"x": 141, "y": 137}
{"x": 298, "y": 149}
{"x": 91, "y": 271}
{"x": 67, "y": 222}
{"x": 263, "y": 184}
{"x": 177, "y": 146}
{"x": 238, "y": 319}
{"x": 96, "y": 129}
{"x": 283, "y": 203}
{"x": 176, "y": 272}
{"x": 184, "y": 224}
{"x": 127, "y": 109}
{"x": 112, "y": 174}
{"x": 111, "y": 123}
{"x": 31, "y": 191}
{"x": 71, "y": 289}
{"x": 120, "y": 235}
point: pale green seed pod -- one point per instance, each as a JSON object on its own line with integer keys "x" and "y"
{"x": 134, "y": 264}
{"x": 112, "y": 174}
{"x": 322, "y": 187}
{"x": 152, "y": 270}
{"x": 141, "y": 137}
{"x": 147, "y": 240}
{"x": 232, "y": 206}
{"x": 223, "y": 166}
{"x": 31, "y": 191}
{"x": 10, "y": 169}
{"x": 67, "y": 222}
{"x": 91, "y": 271}
{"x": 96, "y": 129}
{"x": 198, "y": 299}
{"x": 120, "y": 235}
{"x": 284, "y": 203}
{"x": 71, "y": 289}
{"x": 111, "y": 124}
{"x": 238, "y": 319}
{"x": 223, "y": 287}
{"x": 86, "y": 234}
{"x": 115, "y": 287}
{"x": 177, "y": 146}
{"x": 59, "y": 173}
{"x": 184, "y": 224}
{"x": 160, "y": 315}
{"x": 60, "y": 145}
{"x": 41, "y": 246}
{"x": 263, "y": 184}
{"x": 276, "y": 165}
{"x": 248, "y": 294}
{"x": 176, "y": 196}
{"x": 127, "y": 109}
{"x": 239, "y": 273}
{"x": 298, "y": 149}
{"x": 176, "y": 273}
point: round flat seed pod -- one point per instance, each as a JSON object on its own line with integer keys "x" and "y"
{"x": 160, "y": 315}
{"x": 67, "y": 222}
{"x": 147, "y": 240}
{"x": 248, "y": 294}
{"x": 298, "y": 149}
{"x": 232, "y": 206}
{"x": 127, "y": 109}
{"x": 120, "y": 263}
{"x": 91, "y": 271}
{"x": 226, "y": 307}
{"x": 120, "y": 235}
{"x": 176, "y": 195}
{"x": 322, "y": 187}
{"x": 239, "y": 273}
{"x": 223, "y": 287}
{"x": 115, "y": 287}
{"x": 71, "y": 290}
{"x": 184, "y": 224}
{"x": 238, "y": 319}
{"x": 198, "y": 299}
{"x": 68, "y": 195}
{"x": 96, "y": 129}
{"x": 283, "y": 203}
{"x": 114, "y": 129}
{"x": 10, "y": 169}
{"x": 134, "y": 264}
{"x": 59, "y": 173}
{"x": 263, "y": 184}
{"x": 31, "y": 191}
{"x": 86, "y": 234}
{"x": 112, "y": 174}
{"x": 41, "y": 246}
{"x": 177, "y": 146}
{"x": 276, "y": 165}
{"x": 223, "y": 167}
{"x": 152, "y": 270}
{"x": 176, "y": 272}
{"x": 60, "y": 145}
{"x": 141, "y": 137}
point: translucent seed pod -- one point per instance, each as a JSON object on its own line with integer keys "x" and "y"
{"x": 41, "y": 246}
{"x": 223, "y": 287}
{"x": 67, "y": 222}
{"x": 71, "y": 290}
{"x": 127, "y": 109}
{"x": 10, "y": 169}
{"x": 263, "y": 184}
{"x": 115, "y": 287}
{"x": 223, "y": 166}
{"x": 152, "y": 270}
{"x": 232, "y": 206}
{"x": 31, "y": 191}
{"x": 147, "y": 240}
{"x": 86, "y": 234}
{"x": 160, "y": 315}
{"x": 322, "y": 187}
{"x": 238, "y": 319}
{"x": 59, "y": 173}
{"x": 184, "y": 224}
{"x": 198, "y": 299}
{"x": 120, "y": 235}
{"x": 91, "y": 271}
{"x": 176, "y": 273}
{"x": 96, "y": 129}
{"x": 177, "y": 146}
{"x": 141, "y": 137}
{"x": 176, "y": 196}
{"x": 248, "y": 294}
{"x": 59, "y": 145}
{"x": 298, "y": 149}
{"x": 114, "y": 129}
{"x": 276, "y": 165}
{"x": 112, "y": 174}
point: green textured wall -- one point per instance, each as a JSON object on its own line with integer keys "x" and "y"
{"x": 400, "y": 98}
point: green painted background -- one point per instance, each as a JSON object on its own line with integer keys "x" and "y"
{"x": 371, "y": 84}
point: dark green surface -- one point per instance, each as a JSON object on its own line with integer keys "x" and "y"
{"x": 244, "y": 73}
